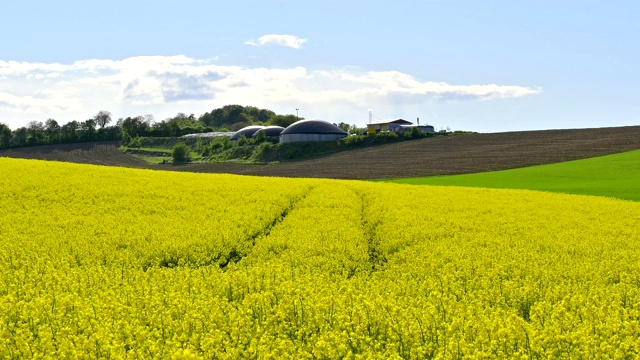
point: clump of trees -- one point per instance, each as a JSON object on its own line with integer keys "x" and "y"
{"x": 181, "y": 153}
{"x": 352, "y": 129}
{"x": 102, "y": 128}
{"x": 235, "y": 117}
{"x": 51, "y": 132}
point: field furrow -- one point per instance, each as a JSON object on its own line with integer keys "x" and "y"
{"x": 335, "y": 242}
{"x": 235, "y": 256}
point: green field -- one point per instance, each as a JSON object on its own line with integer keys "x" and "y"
{"x": 615, "y": 176}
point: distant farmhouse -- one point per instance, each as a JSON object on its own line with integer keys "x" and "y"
{"x": 398, "y": 125}
{"x": 386, "y": 125}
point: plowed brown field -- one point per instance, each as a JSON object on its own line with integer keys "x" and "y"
{"x": 99, "y": 153}
{"x": 425, "y": 157}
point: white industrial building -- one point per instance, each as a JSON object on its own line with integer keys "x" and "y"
{"x": 311, "y": 130}
{"x": 270, "y": 131}
{"x": 386, "y": 125}
{"x": 246, "y": 131}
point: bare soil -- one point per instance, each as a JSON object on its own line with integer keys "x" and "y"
{"x": 449, "y": 155}
{"x": 99, "y": 153}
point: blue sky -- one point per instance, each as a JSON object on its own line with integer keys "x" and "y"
{"x": 485, "y": 66}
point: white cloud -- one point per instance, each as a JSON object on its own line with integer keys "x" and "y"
{"x": 282, "y": 40}
{"x": 165, "y": 85}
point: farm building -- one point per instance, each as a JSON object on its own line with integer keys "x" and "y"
{"x": 246, "y": 131}
{"x": 270, "y": 131}
{"x": 422, "y": 128}
{"x": 386, "y": 125}
{"x": 311, "y": 130}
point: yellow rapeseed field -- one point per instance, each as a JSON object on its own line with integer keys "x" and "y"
{"x": 102, "y": 262}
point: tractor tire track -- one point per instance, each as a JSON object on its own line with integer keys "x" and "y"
{"x": 235, "y": 256}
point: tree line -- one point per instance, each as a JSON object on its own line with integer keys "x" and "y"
{"x": 102, "y": 127}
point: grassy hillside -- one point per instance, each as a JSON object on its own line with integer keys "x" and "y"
{"x": 446, "y": 155}
{"x": 221, "y": 149}
{"x": 612, "y": 175}
{"x": 105, "y": 262}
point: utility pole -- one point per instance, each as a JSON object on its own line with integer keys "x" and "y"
{"x": 297, "y": 118}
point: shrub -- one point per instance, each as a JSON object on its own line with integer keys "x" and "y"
{"x": 126, "y": 139}
{"x": 261, "y": 137}
{"x": 264, "y": 152}
{"x": 215, "y": 147}
{"x": 181, "y": 153}
{"x": 243, "y": 140}
{"x": 199, "y": 145}
{"x": 135, "y": 142}
{"x": 384, "y": 137}
{"x": 226, "y": 143}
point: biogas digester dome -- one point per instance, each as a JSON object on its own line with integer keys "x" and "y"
{"x": 269, "y": 131}
{"x": 246, "y": 131}
{"x": 311, "y": 130}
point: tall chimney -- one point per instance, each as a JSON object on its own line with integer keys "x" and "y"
{"x": 418, "y": 121}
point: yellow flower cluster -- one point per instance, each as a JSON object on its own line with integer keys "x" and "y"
{"x": 101, "y": 262}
